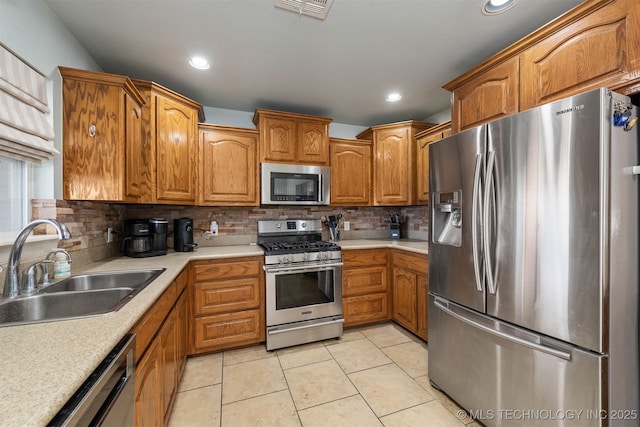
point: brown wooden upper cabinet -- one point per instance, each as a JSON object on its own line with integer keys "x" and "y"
{"x": 487, "y": 97}
{"x": 350, "y": 172}
{"x": 595, "y": 44}
{"x": 170, "y": 140}
{"x": 228, "y": 166}
{"x": 101, "y": 136}
{"x": 423, "y": 140}
{"x": 292, "y": 138}
{"x": 394, "y": 162}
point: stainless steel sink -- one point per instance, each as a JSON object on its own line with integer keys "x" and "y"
{"x": 78, "y": 296}
{"x": 135, "y": 279}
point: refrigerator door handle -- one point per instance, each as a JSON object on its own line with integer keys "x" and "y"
{"x": 476, "y": 200}
{"x": 509, "y": 337}
{"x": 488, "y": 184}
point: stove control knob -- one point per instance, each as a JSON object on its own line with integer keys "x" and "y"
{"x": 305, "y": 256}
{"x": 290, "y": 260}
{"x": 303, "y": 224}
{"x": 280, "y": 259}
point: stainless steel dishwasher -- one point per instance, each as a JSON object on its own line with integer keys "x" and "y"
{"x": 106, "y": 398}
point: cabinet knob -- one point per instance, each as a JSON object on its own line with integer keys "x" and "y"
{"x": 92, "y": 131}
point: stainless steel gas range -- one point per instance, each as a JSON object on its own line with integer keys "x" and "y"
{"x": 303, "y": 283}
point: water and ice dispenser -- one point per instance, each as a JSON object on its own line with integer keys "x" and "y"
{"x": 447, "y": 218}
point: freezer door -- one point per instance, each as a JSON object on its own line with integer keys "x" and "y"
{"x": 507, "y": 376}
{"x": 544, "y": 215}
{"x": 455, "y": 264}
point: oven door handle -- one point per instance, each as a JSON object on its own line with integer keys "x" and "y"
{"x": 302, "y": 268}
{"x": 298, "y": 328}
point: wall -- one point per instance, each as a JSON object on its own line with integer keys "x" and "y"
{"x": 34, "y": 32}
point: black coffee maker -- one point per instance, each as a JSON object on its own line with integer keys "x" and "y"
{"x": 183, "y": 235}
{"x": 145, "y": 237}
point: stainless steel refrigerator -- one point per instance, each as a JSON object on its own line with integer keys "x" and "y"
{"x": 533, "y": 265}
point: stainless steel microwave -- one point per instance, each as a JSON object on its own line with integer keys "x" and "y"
{"x": 286, "y": 184}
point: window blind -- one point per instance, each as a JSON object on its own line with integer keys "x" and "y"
{"x": 25, "y": 133}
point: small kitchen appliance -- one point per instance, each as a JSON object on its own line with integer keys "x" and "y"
{"x": 183, "y": 235}
{"x": 144, "y": 237}
{"x": 286, "y": 184}
{"x": 158, "y": 228}
{"x": 303, "y": 283}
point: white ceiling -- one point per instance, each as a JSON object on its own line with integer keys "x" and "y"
{"x": 265, "y": 57}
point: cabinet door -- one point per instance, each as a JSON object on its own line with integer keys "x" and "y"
{"x": 597, "y": 50}
{"x": 365, "y": 309}
{"x": 423, "y": 294}
{"x": 182, "y": 334}
{"x": 489, "y": 96}
{"x": 229, "y": 167}
{"x": 392, "y": 167}
{"x": 169, "y": 350}
{"x": 93, "y": 149}
{"x": 350, "y": 174}
{"x": 313, "y": 143}
{"x": 176, "y": 145}
{"x": 148, "y": 401}
{"x": 422, "y": 164}
{"x": 405, "y": 284}
{"x": 278, "y": 139}
{"x": 133, "y": 142}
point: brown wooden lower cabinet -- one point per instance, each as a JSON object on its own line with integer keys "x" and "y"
{"x": 365, "y": 290}
{"x": 227, "y": 296}
{"x": 148, "y": 388}
{"x": 410, "y": 287}
{"x": 161, "y": 350}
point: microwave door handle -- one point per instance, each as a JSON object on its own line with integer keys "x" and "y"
{"x": 321, "y": 187}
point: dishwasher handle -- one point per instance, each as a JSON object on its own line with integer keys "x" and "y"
{"x": 90, "y": 405}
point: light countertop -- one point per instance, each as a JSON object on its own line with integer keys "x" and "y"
{"x": 43, "y": 364}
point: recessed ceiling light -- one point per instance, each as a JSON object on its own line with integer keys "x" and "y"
{"x": 494, "y": 7}
{"x": 393, "y": 97}
{"x": 199, "y": 62}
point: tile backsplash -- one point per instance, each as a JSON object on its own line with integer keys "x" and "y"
{"x": 88, "y": 223}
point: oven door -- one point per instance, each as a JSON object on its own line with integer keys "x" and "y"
{"x": 299, "y": 293}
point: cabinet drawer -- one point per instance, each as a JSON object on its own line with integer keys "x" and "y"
{"x": 225, "y": 296}
{"x": 365, "y": 309}
{"x": 415, "y": 262}
{"x": 365, "y": 257}
{"x": 226, "y": 270}
{"x": 228, "y": 330}
{"x": 359, "y": 281}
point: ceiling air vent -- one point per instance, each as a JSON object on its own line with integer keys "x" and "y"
{"x": 315, "y": 8}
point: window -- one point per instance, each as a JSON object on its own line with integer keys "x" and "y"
{"x": 14, "y": 194}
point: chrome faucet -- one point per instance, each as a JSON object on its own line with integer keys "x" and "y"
{"x": 12, "y": 279}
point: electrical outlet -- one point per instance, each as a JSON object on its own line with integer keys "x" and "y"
{"x": 346, "y": 225}
{"x": 214, "y": 228}
{"x": 109, "y": 235}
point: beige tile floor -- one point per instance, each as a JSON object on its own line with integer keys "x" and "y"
{"x": 372, "y": 376}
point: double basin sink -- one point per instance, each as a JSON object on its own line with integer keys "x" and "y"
{"x": 78, "y": 296}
